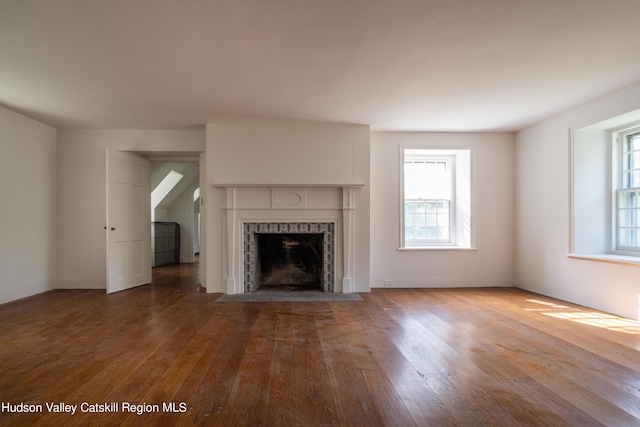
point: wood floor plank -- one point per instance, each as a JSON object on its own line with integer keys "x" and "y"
{"x": 441, "y": 367}
{"x": 347, "y": 356}
{"x": 299, "y": 374}
{"x": 424, "y": 357}
{"x": 426, "y": 406}
{"x": 211, "y": 398}
{"x": 253, "y": 389}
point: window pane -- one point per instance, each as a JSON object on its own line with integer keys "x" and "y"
{"x": 426, "y": 220}
{"x": 627, "y": 217}
{"x": 443, "y": 233}
{"x": 630, "y": 161}
{"x": 427, "y": 179}
{"x": 633, "y": 179}
{"x": 408, "y": 219}
{"x": 408, "y": 232}
{"x": 627, "y": 199}
{"x": 627, "y": 162}
{"x": 626, "y": 236}
{"x": 443, "y": 219}
{"x": 409, "y": 206}
{"x": 634, "y": 161}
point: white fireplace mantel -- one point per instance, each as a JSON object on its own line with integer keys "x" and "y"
{"x": 295, "y": 203}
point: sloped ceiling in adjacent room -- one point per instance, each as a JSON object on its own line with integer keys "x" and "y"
{"x": 190, "y": 172}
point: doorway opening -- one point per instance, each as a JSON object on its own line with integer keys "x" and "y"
{"x": 175, "y": 204}
{"x": 173, "y": 211}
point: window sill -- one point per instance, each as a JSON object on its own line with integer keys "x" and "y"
{"x": 437, "y": 248}
{"x": 617, "y": 259}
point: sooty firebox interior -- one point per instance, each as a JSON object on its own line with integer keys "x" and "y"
{"x": 289, "y": 261}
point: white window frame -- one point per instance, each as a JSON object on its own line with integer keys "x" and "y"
{"x": 459, "y": 159}
{"x": 618, "y": 139}
{"x": 449, "y": 161}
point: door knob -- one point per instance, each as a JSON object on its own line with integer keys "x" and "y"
{"x": 113, "y": 228}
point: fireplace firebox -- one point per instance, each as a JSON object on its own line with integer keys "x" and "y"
{"x": 292, "y": 256}
{"x": 289, "y": 261}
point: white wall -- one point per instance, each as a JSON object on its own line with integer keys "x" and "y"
{"x": 543, "y": 215}
{"x": 82, "y": 194}
{"x": 181, "y": 211}
{"x": 492, "y": 184}
{"x": 289, "y": 153}
{"x": 28, "y": 214}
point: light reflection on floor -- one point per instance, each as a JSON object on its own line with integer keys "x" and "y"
{"x": 587, "y": 317}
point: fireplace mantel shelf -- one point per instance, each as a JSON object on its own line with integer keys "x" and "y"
{"x": 228, "y": 185}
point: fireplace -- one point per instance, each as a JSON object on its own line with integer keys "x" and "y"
{"x": 291, "y": 256}
{"x": 251, "y": 211}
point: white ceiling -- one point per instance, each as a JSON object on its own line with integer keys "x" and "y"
{"x": 393, "y": 64}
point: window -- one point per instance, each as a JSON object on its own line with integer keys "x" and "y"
{"x": 435, "y": 198}
{"x": 605, "y": 188}
{"x": 428, "y": 203}
{"x": 627, "y": 191}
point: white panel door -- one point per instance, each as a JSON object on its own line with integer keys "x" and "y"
{"x": 128, "y": 221}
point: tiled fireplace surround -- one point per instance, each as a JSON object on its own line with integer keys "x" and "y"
{"x": 250, "y": 250}
{"x": 326, "y": 209}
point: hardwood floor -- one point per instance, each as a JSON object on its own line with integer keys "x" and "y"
{"x": 464, "y": 357}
